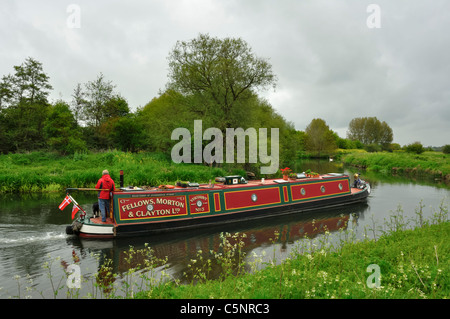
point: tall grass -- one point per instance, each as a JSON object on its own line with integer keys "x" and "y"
{"x": 49, "y": 172}
{"x": 413, "y": 262}
{"x": 429, "y": 163}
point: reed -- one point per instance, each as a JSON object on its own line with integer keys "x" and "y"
{"x": 48, "y": 172}
{"x": 435, "y": 164}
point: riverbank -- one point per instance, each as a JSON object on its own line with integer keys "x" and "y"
{"x": 49, "y": 172}
{"x": 404, "y": 264}
{"x": 433, "y": 164}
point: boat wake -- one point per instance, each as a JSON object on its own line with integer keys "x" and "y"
{"x": 13, "y": 235}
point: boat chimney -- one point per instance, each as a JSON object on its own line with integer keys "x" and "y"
{"x": 121, "y": 178}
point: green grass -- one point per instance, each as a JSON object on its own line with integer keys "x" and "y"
{"x": 413, "y": 264}
{"x": 427, "y": 163}
{"x": 49, "y": 172}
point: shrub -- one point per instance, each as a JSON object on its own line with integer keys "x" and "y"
{"x": 446, "y": 149}
{"x": 415, "y": 147}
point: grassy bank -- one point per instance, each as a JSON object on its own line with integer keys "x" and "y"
{"x": 412, "y": 263}
{"x": 48, "y": 172}
{"x": 434, "y": 164}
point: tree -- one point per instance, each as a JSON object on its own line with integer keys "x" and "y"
{"x": 24, "y": 105}
{"x": 98, "y": 101}
{"x": 369, "y": 130}
{"x": 446, "y": 149}
{"x": 319, "y": 138}
{"x": 126, "y": 134}
{"x": 61, "y": 130}
{"x": 415, "y": 147}
{"x": 97, "y": 108}
{"x": 30, "y": 83}
{"x": 218, "y": 73}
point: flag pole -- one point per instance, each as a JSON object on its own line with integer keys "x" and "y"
{"x": 75, "y": 203}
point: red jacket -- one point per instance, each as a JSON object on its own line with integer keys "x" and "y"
{"x": 105, "y": 182}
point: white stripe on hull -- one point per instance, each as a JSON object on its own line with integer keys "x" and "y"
{"x": 97, "y": 230}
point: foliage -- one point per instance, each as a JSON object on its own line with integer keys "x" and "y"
{"x": 319, "y": 138}
{"x": 286, "y": 171}
{"x": 370, "y": 130}
{"x": 61, "y": 130}
{"x": 427, "y": 163}
{"x": 46, "y": 171}
{"x": 415, "y": 147}
{"x": 217, "y": 74}
{"x": 446, "y": 149}
{"x": 413, "y": 263}
{"x": 24, "y": 107}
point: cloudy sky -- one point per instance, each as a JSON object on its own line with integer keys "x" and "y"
{"x": 334, "y": 59}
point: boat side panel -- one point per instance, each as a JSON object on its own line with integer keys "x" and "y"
{"x": 251, "y": 198}
{"x": 319, "y": 189}
{"x": 154, "y": 207}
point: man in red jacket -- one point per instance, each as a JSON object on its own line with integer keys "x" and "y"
{"x": 104, "y": 197}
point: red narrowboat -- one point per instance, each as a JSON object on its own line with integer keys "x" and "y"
{"x": 141, "y": 211}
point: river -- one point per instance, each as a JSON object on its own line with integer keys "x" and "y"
{"x": 33, "y": 241}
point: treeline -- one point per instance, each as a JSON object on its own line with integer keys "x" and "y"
{"x": 215, "y": 80}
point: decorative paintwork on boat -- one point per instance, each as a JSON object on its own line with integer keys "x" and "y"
{"x": 137, "y": 211}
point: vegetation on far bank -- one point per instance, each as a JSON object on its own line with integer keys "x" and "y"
{"x": 435, "y": 164}
{"x": 52, "y": 172}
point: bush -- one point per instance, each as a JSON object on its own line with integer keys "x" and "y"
{"x": 446, "y": 149}
{"x": 415, "y": 147}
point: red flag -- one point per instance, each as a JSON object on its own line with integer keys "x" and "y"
{"x": 75, "y": 209}
{"x": 65, "y": 202}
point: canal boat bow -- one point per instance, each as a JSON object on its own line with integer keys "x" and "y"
{"x": 142, "y": 211}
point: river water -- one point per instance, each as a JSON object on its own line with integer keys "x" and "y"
{"x": 33, "y": 241}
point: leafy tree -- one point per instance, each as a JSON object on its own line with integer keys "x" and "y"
{"x": 61, "y": 130}
{"x": 97, "y": 107}
{"x": 370, "y": 130}
{"x": 446, "y": 149}
{"x": 217, "y": 73}
{"x": 319, "y": 138}
{"x": 126, "y": 133}
{"x": 24, "y": 105}
{"x": 415, "y": 147}
{"x": 161, "y": 116}
{"x": 98, "y": 102}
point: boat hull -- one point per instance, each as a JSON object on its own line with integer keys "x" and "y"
{"x": 156, "y": 212}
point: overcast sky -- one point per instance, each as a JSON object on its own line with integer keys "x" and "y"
{"x": 331, "y": 59}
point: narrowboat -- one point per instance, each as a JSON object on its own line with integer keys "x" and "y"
{"x": 142, "y": 211}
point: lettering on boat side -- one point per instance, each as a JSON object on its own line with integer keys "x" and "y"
{"x": 153, "y": 207}
{"x": 199, "y": 204}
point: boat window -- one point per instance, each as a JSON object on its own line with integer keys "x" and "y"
{"x": 303, "y": 191}
{"x": 340, "y": 186}
{"x": 322, "y": 189}
{"x": 254, "y": 197}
